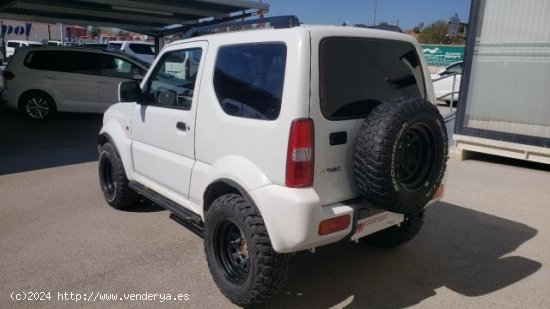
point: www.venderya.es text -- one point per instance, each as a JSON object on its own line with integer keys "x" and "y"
{"x": 97, "y": 296}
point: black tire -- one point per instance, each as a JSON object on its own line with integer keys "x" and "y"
{"x": 239, "y": 253}
{"x": 401, "y": 154}
{"x": 37, "y": 106}
{"x": 396, "y": 235}
{"x": 112, "y": 179}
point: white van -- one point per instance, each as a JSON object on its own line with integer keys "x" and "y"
{"x": 12, "y": 45}
{"x": 42, "y": 81}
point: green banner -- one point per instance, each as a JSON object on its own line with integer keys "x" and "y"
{"x": 442, "y": 55}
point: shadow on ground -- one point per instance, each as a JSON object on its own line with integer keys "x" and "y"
{"x": 67, "y": 139}
{"x": 508, "y": 161}
{"x": 466, "y": 251}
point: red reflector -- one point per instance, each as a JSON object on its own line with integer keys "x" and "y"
{"x": 334, "y": 225}
{"x": 299, "y": 160}
{"x": 8, "y": 75}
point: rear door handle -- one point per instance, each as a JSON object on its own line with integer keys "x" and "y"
{"x": 182, "y": 126}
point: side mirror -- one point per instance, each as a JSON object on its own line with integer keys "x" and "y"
{"x": 130, "y": 91}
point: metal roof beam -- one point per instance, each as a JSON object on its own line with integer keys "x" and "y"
{"x": 140, "y": 5}
{"x": 70, "y": 10}
{"x": 6, "y": 4}
{"x": 244, "y": 4}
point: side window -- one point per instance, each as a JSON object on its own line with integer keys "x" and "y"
{"x": 249, "y": 79}
{"x": 81, "y": 62}
{"x": 117, "y": 67}
{"x": 173, "y": 80}
{"x": 13, "y": 44}
{"x": 43, "y": 60}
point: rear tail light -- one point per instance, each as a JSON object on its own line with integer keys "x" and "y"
{"x": 300, "y": 156}
{"x": 334, "y": 225}
{"x": 8, "y": 75}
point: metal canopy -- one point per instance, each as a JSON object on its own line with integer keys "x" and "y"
{"x": 153, "y": 17}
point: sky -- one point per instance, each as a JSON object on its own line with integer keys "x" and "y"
{"x": 408, "y": 12}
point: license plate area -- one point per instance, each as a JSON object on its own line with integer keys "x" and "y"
{"x": 376, "y": 222}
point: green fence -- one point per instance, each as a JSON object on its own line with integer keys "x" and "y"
{"x": 442, "y": 55}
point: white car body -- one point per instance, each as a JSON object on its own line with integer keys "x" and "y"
{"x": 12, "y": 45}
{"x": 141, "y": 50}
{"x": 217, "y": 147}
{"x": 444, "y": 86}
{"x": 87, "y": 92}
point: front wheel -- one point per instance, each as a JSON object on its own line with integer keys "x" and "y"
{"x": 239, "y": 253}
{"x": 112, "y": 179}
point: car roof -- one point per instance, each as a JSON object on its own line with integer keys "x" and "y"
{"x": 314, "y": 30}
{"x": 86, "y": 50}
{"x": 131, "y": 42}
{"x": 24, "y": 41}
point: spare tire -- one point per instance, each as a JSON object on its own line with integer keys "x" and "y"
{"x": 400, "y": 155}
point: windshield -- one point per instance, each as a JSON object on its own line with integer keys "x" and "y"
{"x": 357, "y": 74}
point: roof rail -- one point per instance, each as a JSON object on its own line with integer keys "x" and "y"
{"x": 275, "y": 22}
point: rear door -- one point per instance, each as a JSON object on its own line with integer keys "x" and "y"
{"x": 163, "y": 130}
{"x": 355, "y": 75}
{"x": 113, "y": 71}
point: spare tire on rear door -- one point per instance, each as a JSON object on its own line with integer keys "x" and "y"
{"x": 400, "y": 155}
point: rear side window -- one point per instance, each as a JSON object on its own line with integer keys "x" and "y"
{"x": 249, "y": 79}
{"x": 68, "y": 62}
{"x": 357, "y": 74}
{"x": 43, "y": 60}
{"x": 143, "y": 49}
{"x": 13, "y": 44}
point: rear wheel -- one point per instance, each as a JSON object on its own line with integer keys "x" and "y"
{"x": 37, "y": 106}
{"x": 239, "y": 253}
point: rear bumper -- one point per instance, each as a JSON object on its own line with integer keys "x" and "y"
{"x": 292, "y": 217}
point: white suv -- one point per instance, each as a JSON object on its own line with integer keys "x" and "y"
{"x": 144, "y": 51}
{"x": 270, "y": 142}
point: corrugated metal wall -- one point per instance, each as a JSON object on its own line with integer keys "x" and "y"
{"x": 509, "y": 86}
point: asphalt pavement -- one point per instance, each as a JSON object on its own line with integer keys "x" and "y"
{"x": 484, "y": 246}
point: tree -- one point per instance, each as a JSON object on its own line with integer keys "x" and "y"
{"x": 418, "y": 28}
{"x": 95, "y": 31}
{"x": 435, "y": 33}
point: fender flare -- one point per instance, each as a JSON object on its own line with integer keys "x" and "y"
{"x": 113, "y": 133}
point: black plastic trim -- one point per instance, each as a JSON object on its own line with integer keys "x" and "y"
{"x": 166, "y": 203}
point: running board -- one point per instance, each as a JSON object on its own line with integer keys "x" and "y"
{"x": 179, "y": 211}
